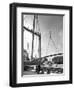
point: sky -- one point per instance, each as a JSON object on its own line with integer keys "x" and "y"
{"x": 51, "y": 29}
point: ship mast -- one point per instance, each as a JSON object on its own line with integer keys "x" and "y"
{"x": 39, "y": 34}
{"x": 33, "y": 38}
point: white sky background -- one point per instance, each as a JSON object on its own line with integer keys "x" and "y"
{"x": 48, "y": 23}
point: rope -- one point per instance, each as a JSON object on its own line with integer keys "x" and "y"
{"x": 50, "y": 38}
